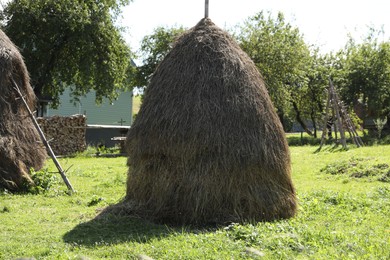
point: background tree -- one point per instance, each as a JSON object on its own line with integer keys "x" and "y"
{"x": 366, "y": 75}
{"x": 154, "y": 48}
{"x": 312, "y": 100}
{"x": 281, "y": 55}
{"x": 70, "y": 43}
{"x": 308, "y": 100}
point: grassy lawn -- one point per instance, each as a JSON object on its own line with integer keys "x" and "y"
{"x": 344, "y": 213}
{"x": 136, "y": 104}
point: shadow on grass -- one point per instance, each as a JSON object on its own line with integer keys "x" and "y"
{"x": 302, "y": 141}
{"x": 332, "y": 148}
{"x": 117, "y": 224}
{"x": 112, "y": 229}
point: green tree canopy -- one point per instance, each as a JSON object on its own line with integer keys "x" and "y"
{"x": 280, "y": 53}
{"x": 308, "y": 101}
{"x": 154, "y": 48}
{"x": 366, "y": 74}
{"x": 70, "y": 43}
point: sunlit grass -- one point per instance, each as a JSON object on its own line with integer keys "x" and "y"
{"x": 339, "y": 217}
{"x": 136, "y": 104}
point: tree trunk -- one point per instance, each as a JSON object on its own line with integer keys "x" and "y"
{"x": 299, "y": 119}
{"x": 281, "y": 118}
{"x": 313, "y": 119}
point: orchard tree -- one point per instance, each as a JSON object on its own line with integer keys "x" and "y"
{"x": 70, "y": 43}
{"x": 366, "y": 70}
{"x": 313, "y": 99}
{"x": 281, "y": 55}
{"x": 154, "y": 48}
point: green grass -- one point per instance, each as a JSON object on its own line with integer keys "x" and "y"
{"x": 136, "y": 104}
{"x": 340, "y": 217}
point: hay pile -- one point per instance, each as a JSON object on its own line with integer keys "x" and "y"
{"x": 20, "y": 147}
{"x": 207, "y": 145}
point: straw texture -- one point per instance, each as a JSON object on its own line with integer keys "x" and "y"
{"x": 20, "y": 147}
{"x": 207, "y": 145}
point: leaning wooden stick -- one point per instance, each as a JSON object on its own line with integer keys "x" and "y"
{"x": 45, "y": 142}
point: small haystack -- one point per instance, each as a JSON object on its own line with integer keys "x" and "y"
{"x": 20, "y": 146}
{"x": 207, "y": 145}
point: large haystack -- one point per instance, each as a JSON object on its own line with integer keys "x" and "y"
{"x": 20, "y": 146}
{"x": 207, "y": 145}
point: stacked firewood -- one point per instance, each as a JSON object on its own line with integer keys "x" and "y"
{"x": 66, "y": 135}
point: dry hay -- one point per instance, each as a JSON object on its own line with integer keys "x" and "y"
{"x": 207, "y": 145}
{"x": 20, "y": 147}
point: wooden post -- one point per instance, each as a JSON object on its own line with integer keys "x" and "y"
{"x": 206, "y": 11}
{"x": 337, "y": 112}
{"x": 334, "y": 117}
{"x": 326, "y": 118}
{"x": 45, "y": 142}
{"x": 342, "y": 119}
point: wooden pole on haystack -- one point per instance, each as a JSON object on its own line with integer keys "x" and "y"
{"x": 45, "y": 142}
{"x": 206, "y": 11}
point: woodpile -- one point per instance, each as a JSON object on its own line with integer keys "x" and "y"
{"x": 66, "y": 134}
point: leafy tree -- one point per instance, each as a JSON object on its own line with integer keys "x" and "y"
{"x": 281, "y": 55}
{"x": 366, "y": 75}
{"x": 70, "y": 43}
{"x": 313, "y": 98}
{"x": 154, "y": 48}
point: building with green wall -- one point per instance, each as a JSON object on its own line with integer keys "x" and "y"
{"x": 104, "y": 121}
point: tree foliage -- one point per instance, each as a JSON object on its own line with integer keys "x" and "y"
{"x": 70, "y": 43}
{"x": 281, "y": 55}
{"x": 154, "y": 48}
{"x": 308, "y": 102}
{"x": 366, "y": 74}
